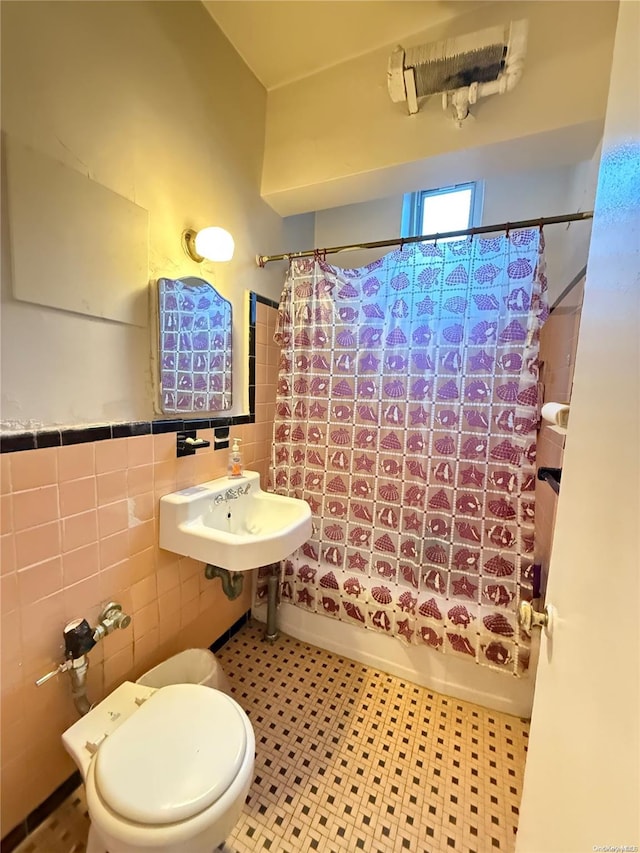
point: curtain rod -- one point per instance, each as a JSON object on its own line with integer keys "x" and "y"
{"x": 261, "y": 260}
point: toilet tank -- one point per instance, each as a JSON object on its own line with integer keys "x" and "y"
{"x": 82, "y": 739}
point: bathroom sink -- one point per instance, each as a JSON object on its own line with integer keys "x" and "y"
{"x": 230, "y": 522}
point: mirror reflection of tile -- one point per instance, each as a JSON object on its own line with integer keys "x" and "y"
{"x": 195, "y": 346}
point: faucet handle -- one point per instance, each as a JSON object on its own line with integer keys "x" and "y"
{"x": 63, "y": 667}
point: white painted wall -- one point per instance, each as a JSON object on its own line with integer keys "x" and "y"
{"x": 358, "y": 223}
{"x": 335, "y": 137}
{"x": 577, "y": 235}
{"x": 149, "y": 100}
{"x": 509, "y": 197}
{"x": 582, "y": 779}
{"x": 548, "y": 192}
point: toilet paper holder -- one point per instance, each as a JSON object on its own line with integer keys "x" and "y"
{"x": 556, "y": 415}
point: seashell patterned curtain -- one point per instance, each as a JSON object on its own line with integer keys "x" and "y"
{"x": 406, "y": 416}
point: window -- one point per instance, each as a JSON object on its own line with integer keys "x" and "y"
{"x": 445, "y": 209}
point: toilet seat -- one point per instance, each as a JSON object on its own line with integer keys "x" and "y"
{"x": 174, "y": 757}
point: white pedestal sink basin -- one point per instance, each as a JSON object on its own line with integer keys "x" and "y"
{"x": 231, "y": 523}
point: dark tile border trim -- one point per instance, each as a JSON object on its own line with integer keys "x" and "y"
{"x": 84, "y": 435}
{"x": 131, "y": 429}
{"x": 11, "y": 443}
{"x": 241, "y": 622}
{"x": 14, "y": 442}
{"x": 263, "y": 300}
{"x": 42, "y": 812}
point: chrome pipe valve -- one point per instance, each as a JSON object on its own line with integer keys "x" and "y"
{"x": 111, "y": 618}
{"x": 80, "y": 638}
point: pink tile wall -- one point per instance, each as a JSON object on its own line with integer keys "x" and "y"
{"x": 558, "y": 345}
{"x": 79, "y": 526}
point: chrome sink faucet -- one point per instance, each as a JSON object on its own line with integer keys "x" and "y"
{"x": 232, "y": 494}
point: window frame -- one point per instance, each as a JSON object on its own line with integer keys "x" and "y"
{"x": 413, "y": 206}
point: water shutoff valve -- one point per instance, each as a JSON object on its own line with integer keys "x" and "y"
{"x": 111, "y": 618}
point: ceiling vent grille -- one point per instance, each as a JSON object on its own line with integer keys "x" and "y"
{"x": 462, "y": 69}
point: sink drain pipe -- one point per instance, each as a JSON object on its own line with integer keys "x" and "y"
{"x": 271, "y": 632}
{"x": 231, "y": 581}
{"x": 232, "y": 587}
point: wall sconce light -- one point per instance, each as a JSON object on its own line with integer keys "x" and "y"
{"x": 211, "y": 244}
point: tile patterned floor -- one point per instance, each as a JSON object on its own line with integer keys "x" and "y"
{"x": 351, "y": 759}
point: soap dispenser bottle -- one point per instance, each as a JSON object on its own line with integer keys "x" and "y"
{"x": 235, "y": 460}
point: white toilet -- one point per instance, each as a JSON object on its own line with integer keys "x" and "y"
{"x": 165, "y": 771}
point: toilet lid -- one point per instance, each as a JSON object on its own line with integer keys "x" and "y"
{"x": 173, "y": 757}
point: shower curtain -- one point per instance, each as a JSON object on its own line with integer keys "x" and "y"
{"x": 406, "y": 416}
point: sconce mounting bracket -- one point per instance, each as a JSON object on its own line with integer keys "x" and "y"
{"x": 189, "y": 245}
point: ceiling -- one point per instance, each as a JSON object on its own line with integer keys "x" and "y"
{"x": 285, "y": 40}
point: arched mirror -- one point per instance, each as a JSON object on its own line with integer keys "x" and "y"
{"x": 194, "y": 347}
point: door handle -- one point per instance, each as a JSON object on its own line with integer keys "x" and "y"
{"x": 530, "y": 618}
